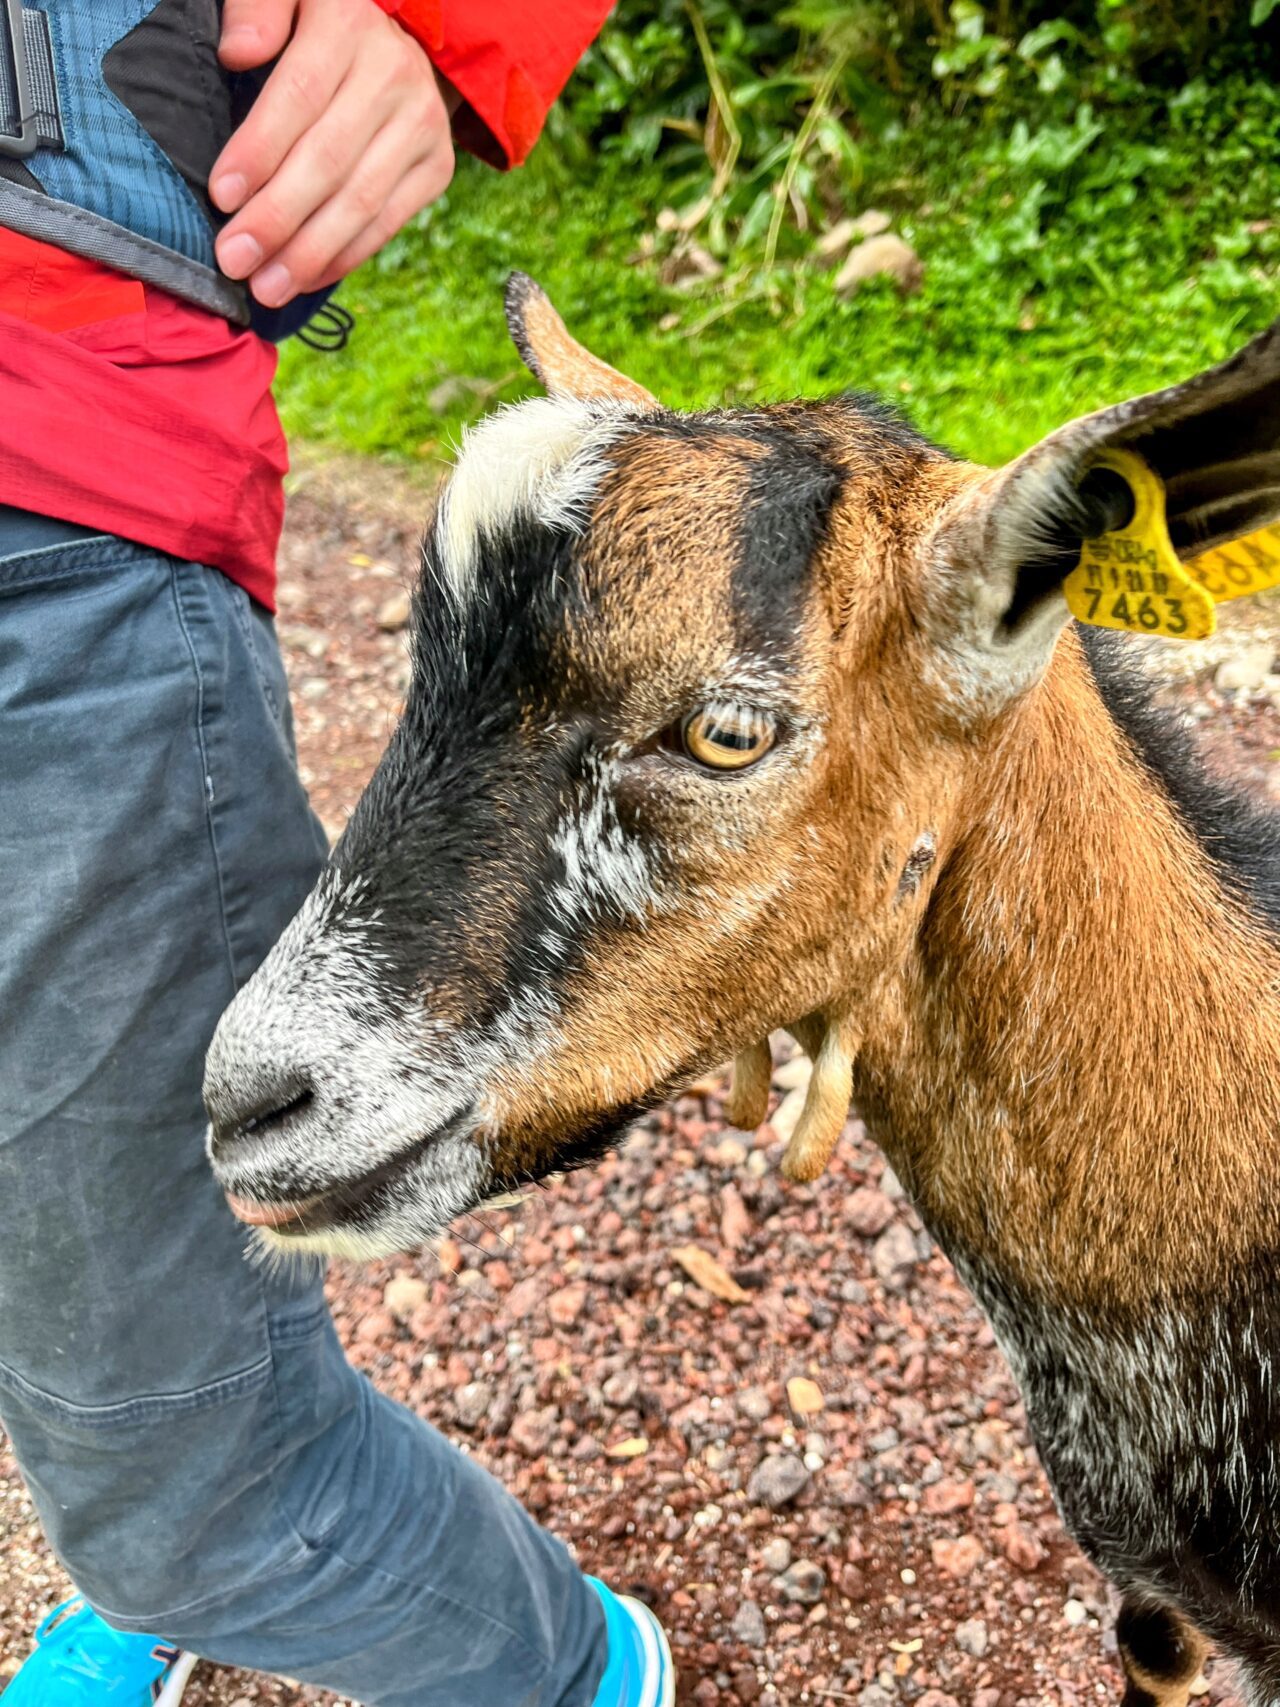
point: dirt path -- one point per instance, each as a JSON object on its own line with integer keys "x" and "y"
{"x": 900, "y": 1546}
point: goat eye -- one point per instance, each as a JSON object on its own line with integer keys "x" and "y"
{"x": 727, "y": 737}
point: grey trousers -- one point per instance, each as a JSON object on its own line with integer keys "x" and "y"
{"x": 204, "y": 1460}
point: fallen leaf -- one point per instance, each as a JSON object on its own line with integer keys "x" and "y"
{"x": 688, "y": 265}
{"x": 912, "y": 1647}
{"x": 711, "y": 1276}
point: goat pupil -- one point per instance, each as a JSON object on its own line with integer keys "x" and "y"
{"x": 739, "y": 739}
{"x": 727, "y": 737}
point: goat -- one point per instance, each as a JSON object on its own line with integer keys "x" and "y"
{"x": 772, "y": 718}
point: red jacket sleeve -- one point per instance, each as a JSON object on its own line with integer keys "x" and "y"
{"x": 507, "y": 61}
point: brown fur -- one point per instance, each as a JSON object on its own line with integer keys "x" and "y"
{"x": 1069, "y": 948}
{"x": 752, "y": 1076}
{"x": 1082, "y": 977}
{"x": 971, "y": 897}
{"x": 628, "y": 1025}
{"x": 1162, "y": 1655}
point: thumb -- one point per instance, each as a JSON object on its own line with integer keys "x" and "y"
{"x": 254, "y": 31}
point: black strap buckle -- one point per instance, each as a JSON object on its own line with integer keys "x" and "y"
{"x": 19, "y": 130}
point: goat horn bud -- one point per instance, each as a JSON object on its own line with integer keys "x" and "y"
{"x": 752, "y": 1076}
{"x": 826, "y": 1108}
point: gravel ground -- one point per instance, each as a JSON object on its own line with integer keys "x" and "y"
{"x": 825, "y": 1488}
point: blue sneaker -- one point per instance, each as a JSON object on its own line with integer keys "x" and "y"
{"x": 640, "y": 1672}
{"x": 81, "y": 1662}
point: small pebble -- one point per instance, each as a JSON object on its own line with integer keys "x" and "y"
{"x": 776, "y": 1481}
{"x": 748, "y": 1625}
{"x": 972, "y": 1637}
{"x": 802, "y": 1583}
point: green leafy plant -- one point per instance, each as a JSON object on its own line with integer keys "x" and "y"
{"x": 762, "y": 116}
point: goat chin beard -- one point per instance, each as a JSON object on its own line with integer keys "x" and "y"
{"x": 450, "y": 1180}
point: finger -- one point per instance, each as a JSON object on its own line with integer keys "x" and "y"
{"x": 409, "y": 198}
{"x": 254, "y": 31}
{"x": 334, "y": 152}
{"x": 300, "y": 88}
{"x": 414, "y": 191}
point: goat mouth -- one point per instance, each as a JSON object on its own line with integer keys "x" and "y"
{"x": 346, "y": 1201}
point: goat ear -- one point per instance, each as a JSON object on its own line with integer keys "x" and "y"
{"x": 1003, "y": 545}
{"x": 563, "y": 365}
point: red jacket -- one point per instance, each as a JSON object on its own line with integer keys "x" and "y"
{"x": 509, "y": 69}
{"x": 126, "y": 410}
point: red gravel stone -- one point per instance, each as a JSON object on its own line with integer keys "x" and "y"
{"x": 867, "y": 1211}
{"x": 958, "y": 1558}
{"x": 945, "y": 1497}
{"x": 565, "y": 1306}
{"x": 1020, "y": 1547}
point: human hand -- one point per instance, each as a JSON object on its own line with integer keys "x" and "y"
{"x": 347, "y": 141}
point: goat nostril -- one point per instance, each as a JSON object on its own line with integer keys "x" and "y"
{"x": 273, "y": 1116}
{"x": 259, "y": 1118}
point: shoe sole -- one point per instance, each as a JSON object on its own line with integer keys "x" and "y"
{"x": 657, "y": 1652}
{"x": 175, "y": 1683}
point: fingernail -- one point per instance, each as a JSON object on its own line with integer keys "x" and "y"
{"x": 228, "y": 191}
{"x": 273, "y": 285}
{"x": 239, "y": 255}
{"x": 240, "y": 38}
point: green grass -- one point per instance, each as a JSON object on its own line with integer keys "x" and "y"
{"x": 1067, "y": 264}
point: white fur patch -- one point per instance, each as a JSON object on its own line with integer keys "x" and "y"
{"x": 606, "y": 872}
{"x": 543, "y": 458}
{"x": 438, "y": 1189}
{"x": 381, "y": 1082}
{"x": 311, "y": 1003}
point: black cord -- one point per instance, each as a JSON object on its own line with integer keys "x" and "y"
{"x": 328, "y": 329}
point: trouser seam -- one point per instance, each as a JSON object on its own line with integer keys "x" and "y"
{"x": 544, "y": 1661}
{"x": 206, "y": 776}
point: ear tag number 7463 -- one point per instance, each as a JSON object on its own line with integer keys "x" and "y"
{"x": 1132, "y": 580}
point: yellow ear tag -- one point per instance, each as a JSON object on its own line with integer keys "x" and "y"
{"x": 1131, "y": 579}
{"x": 1248, "y": 565}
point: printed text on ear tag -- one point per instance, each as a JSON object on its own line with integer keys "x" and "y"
{"x": 1248, "y": 565}
{"x": 1131, "y": 579}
